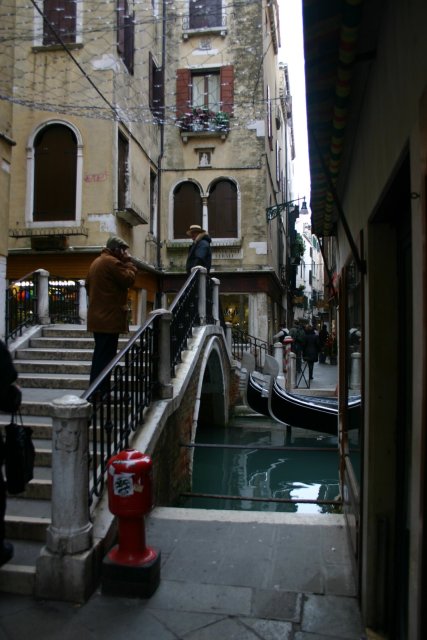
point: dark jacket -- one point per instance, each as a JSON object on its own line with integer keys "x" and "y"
{"x": 107, "y": 285}
{"x": 199, "y": 253}
{"x": 10, "y": 393}
{"x": 8, "y": 373}
{"x": 311, "y": 347}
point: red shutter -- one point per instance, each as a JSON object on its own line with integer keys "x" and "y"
{"x": 227, "y": 89}
{"x": 183, "y": 92}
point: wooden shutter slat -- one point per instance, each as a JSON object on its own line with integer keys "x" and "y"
{"x": 183, "y": 92}
{"x": 227, "y": 89}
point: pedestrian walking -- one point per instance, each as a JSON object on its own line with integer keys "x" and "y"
{"x": 107, "y": 284}
{"x": 311, "y": 349}
{"x": 199, "y": 253}
{"x": 323, "y": 338}
{"x": 297, "y": 333}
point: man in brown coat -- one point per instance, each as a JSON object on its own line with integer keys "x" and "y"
{"x": 107, "y": 283}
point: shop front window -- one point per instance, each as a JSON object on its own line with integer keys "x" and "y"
{"x": 235, "y": 308}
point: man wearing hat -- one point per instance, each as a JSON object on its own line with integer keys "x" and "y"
{"x": 199, "y": 253}
{"x": 107, "y": 284}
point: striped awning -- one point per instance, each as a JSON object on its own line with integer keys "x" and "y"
{"x": 331, "y": 38}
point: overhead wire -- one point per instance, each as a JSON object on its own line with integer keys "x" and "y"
{"x": 33, "y": 87}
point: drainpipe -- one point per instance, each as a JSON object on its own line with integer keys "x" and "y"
{"x": 162, "y": 136}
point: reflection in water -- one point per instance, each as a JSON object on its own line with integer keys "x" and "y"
{"x": 256, "y": 473}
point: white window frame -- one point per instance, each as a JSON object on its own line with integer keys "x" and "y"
{"x": 29, "y": 204}
{"x": 38, "y": 25}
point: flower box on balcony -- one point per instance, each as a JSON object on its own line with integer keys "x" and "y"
{"x": 204, "y": 122}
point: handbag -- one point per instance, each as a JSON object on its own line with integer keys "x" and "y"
{"x": 10, "y": 398}
{"x": 19, "y": 456}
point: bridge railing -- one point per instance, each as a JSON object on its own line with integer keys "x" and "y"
{"x": 242, "y": 343}
{"x": 143, "y": 370}
{"x": 42, "y": 298}
{"x": 89, "y": 429}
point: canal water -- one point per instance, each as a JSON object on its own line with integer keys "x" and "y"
{"x": 258, "y": 464}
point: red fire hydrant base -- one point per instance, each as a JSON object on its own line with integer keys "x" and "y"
{"x": 131, "y": 581}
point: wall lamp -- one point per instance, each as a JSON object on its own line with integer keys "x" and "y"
{"x": 274, "y": 211}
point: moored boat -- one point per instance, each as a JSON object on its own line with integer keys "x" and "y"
{"x": 317, "y": 413}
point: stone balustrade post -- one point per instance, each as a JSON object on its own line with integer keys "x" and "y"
{"x": 43, "y": 296}
{"x": 82, "y": 301}
{"x": 215, "y": 300}
{"x": 229, "y": 336}
{"x": 291, "y": 378}
{"x": 202, "y": 294}
{"x": 165, "y": 387}
{"x": 65, "y": 564}
{"x": 355, "y": 371}
{"x": 278, "y": 356}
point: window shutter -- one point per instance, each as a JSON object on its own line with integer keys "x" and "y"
{"x": 121, "y": 13}
{"x": 61, "y": 14}
{"x": 129, "y": 42}
{"x": 55, "y": 174}
{"x": 222, "y": 210}
{"x": 183, "y": 92}
{"x": 187, "y": 208}
{"x": 122, "y": 172}
{"x": 227, "y": 89}
{"x": 155, "y": 87}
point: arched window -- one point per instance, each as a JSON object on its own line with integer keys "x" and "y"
{"x": 187, "y": 208}
{"x": 55, "y": 174}
{"x": 222, "y": 210}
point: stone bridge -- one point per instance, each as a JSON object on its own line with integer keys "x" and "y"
{"x": 205, "y": 388}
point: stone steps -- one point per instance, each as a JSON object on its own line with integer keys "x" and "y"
{"x": 80, "y": 355}
{"x": 33, "y": 366}
{"x": 56, "y": 362}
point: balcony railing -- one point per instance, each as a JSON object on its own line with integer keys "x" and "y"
{"x": 201, "y": 120}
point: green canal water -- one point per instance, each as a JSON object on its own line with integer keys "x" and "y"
{"x": 300, "y": 465}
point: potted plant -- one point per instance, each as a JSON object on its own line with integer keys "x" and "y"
{"x": 297, "y": 249}
{"x": 222, "y": 121}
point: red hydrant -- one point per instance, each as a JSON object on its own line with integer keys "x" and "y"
{"x": 130, "y": 498}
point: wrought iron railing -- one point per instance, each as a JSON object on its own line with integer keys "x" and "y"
{"x": 185, "y": 315}
{"x": 242, "y": 342}
{"x": 23, "y": 297}
{"x": 128, "y": 386}
{"x": 130, "y": 382}
{"x": 21, "y": 305}
{"x": 63, "y": 300}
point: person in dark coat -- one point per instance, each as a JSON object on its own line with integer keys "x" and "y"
{"x": 199, "y": 253}
{"x": 323, "y": 337}
{"x": 107, "y": 284}
{"x": 8, "y": 376}
{"x": 311, "y": 349}
{"x": 297, "y": 334}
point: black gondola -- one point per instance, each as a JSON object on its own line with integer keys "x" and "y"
{"x": 317, "y": 413}
{"x": 257, "y": 396}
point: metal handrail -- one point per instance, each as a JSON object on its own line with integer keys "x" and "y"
{"x": 128, "y": 384}
{"x": 63, "y": 300}
{"x": 22, "y": 302}
{"x": 21, "y": 305}
{"x": 131, "y": 379}
{"x": 242, "y": 342}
